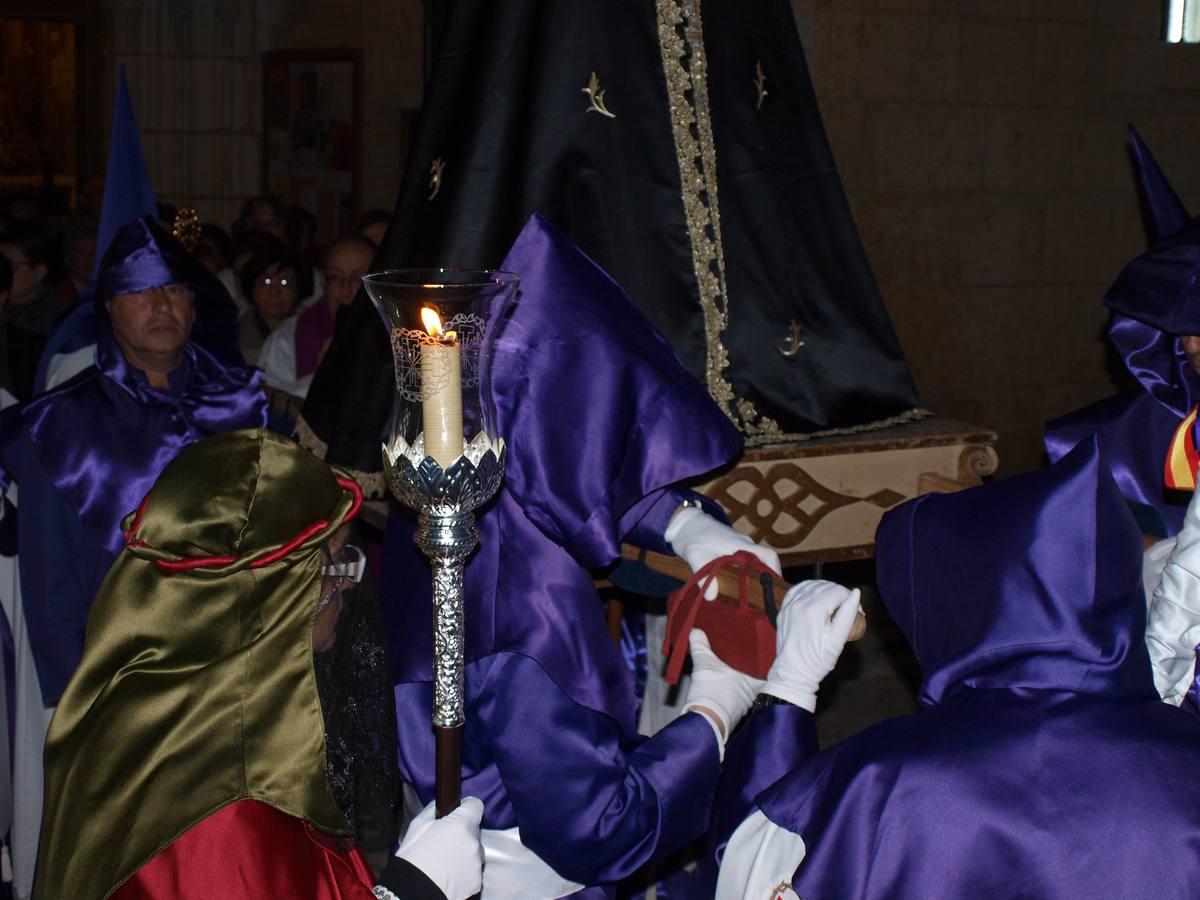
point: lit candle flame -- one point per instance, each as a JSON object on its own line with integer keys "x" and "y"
{"x": 432, "y": 321}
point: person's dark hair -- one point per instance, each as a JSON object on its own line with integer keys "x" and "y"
{"x": 6, "y": 273}
{"x": 373, "y": 217}
{"x": 255, "y": 243}
{"x": 33, "y": 243}
{"x": 301, "y": 226}
{"x": 353, "y": 239}
{"x": 166, "y": 213}
{"x": 260, "y": 262}
{"x": 216, "y": 236}
{"x": 77, "y": 229}
{"x": 241, "y": 226}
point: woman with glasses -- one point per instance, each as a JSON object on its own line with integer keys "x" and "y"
{"x": 189, "y": 757}
{"x": 291, "y": 354}
{"x": 270, "y": 281}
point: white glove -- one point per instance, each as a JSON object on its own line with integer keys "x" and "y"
{"x": 814, "y": 622}
{"x": 718, "y": 692}
{"x": 1173, "y": 622}
{"x": 698, "y": 538}
{"x": 448, "y": 850}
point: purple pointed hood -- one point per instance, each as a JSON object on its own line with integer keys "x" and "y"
{"x": 1162, "y": 210}
{"x": 1033, "y": 582}
{"x": 1154, "y": 300}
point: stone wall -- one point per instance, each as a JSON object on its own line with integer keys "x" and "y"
{"x": 982, "y": 149}
{"x": 195, "y": 76}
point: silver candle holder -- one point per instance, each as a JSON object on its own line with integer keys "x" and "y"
{"x": 442, "y": 456}
{"x": 445, "y": 501}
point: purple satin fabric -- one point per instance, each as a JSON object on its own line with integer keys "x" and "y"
{"x": 1160, "y": 288}
{"x": 103, "y": 438}
{"x": 599, "y": 417}
{"x": 1134, "y": 432}
{"x": 1154, "y": 300}
{"x": 1043, "y": 763}
{"x": 592, "y": 799}
{"x": 313, "y": 329}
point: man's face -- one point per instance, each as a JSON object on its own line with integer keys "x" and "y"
{"x": 79, "y": 257}
{"x": 344, "y": 271}
{"x": 27, "y": 277}
{"x": 1191, "y": 346}
{"x": 157, "y": 321}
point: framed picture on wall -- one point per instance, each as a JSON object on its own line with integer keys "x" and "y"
{"x": 312, "y": 118}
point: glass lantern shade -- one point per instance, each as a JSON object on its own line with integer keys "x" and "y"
{"x": 438, "y": 324}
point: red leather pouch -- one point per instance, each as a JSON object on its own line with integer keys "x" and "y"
{"x": 741, "y": 636}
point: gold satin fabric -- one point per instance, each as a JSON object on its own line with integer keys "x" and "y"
{"x": 196, "y": 689}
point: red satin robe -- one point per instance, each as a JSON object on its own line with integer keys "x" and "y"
{"x": 251, "y": 850}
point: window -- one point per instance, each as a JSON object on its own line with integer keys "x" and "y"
{"x": 1182, "y": 22}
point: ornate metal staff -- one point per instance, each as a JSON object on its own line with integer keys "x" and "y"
{"x": 443, "y": 456}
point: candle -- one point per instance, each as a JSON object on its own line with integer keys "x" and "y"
{"x": 441, "y": 392}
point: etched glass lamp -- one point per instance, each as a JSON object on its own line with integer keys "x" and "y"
{"x": 442, "y": 455}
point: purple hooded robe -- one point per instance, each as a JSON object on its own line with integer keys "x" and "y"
{"x": 1042, "y": 763}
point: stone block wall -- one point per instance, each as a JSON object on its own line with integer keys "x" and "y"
{"x": 195, "y": 76}
{"x": 982, "y": 147}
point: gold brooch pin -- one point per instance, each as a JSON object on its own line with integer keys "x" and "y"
{"x": 186, "y": 228}
{"x": 791, "y": 344}
{"x": 760, "y": 82}
{"x": 596, "y": 97}
{"x": 435, "y": 177}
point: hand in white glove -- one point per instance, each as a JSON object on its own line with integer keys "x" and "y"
{"x": 448, "y": 850}
{"x": 718, "y": 692}
{"x": 698, "y": 538}
{"x": 814, "y": 622}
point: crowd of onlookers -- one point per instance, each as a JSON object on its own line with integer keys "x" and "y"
{"x": 288, "y": 287}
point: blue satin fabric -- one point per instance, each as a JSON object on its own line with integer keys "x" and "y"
{"x": 104, "y": 437}
{"x": 1042, "y": 763}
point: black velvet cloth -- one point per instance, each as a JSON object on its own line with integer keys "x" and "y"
{"x": 507, "y": 117}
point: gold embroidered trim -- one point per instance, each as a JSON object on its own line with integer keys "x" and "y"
{"x": 371, "y": 482}
{"x": 681, "y": 44}
{"x": 911, "y": 415}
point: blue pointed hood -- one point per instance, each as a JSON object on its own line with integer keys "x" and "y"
{"x": 1031, "y": 582}
{"x": 1162, "y": 210}
{"x": 129, "y": 200}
